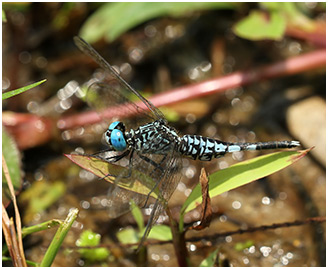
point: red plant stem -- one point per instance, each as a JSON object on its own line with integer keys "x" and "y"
{"x": 316, "y": 37}
{"x": 293, "y": 65}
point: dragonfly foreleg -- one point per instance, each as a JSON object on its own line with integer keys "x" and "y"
{"x": 116, "y": 158}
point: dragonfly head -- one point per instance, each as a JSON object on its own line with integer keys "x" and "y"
{"x": 115, "y": 136}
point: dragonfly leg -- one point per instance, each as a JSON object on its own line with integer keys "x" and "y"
{"x": 130, "y": 165}
{"x": 108, "y": 159}
{"x": 156, "y": 165}
{"x": 116, "y": 158}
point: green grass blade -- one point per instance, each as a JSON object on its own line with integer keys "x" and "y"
{"x": 40, "y": 227}
{"x": 12, "y": 93}
{"x": 59, "y": 238}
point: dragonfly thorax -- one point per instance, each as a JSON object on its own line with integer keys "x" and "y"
{"x": 115, "y": 136}
{"x": 155, "y": 138}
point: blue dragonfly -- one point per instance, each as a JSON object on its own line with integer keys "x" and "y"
{"x": 147, "y": 146}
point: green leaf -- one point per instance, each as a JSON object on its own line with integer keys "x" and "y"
{"x": 137, "y": 214}
{"x": 272, "y": 24}
{"x": 142, "y": 185}
{"x": 113, "y": 19}
{"x": 91, "y": 239}
{"x": 160, "y": 232}
{"x": 88, "y": 239}
{"x": 13, "y": 160}
{"x": 4, "y": 19}
{"x": 240, "y": 174}
{"x": 210, "y": 260}
{"x": 128, "y": 236}
{"x": 259, "y": 25}
{"x": 131, "y": 236}
{"x": 292, "y": 14}
{"x": 12, "y": 93}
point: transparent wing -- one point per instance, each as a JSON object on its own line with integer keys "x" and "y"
{"x": 119, "y": 199}
{"x": 126, "y": 89}
{"x": 110, "y": 102}
{"x": 165, "y": 178}
{"x": 167, "y": 186}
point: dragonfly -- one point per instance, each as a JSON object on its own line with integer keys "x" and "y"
{"x": 147, "y": 145}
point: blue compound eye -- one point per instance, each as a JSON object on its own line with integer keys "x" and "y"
{"x": 113, "y": 125}
{"x": 117, "y": 140}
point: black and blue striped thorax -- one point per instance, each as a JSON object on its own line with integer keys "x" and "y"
{"x": 154, "y": 138}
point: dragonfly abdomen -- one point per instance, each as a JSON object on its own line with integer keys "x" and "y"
{"x": 202, "y": 148}
{"x": 205, "y": 149}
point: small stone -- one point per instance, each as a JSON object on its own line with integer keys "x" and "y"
{"x": 307, "y": 123}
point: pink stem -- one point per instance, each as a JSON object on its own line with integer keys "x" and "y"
{"x": 293, "y": 65}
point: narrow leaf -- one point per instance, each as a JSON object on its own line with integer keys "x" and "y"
{"x": 211, "y": 260}
{"x": 143, "y": 184}
{"x": 13, "y": 159}
{"x": 242, "y": 173}
{"x": 40, "y": 227}
{"x": 12, "y": 93}
{"x": 137, "y": 214}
